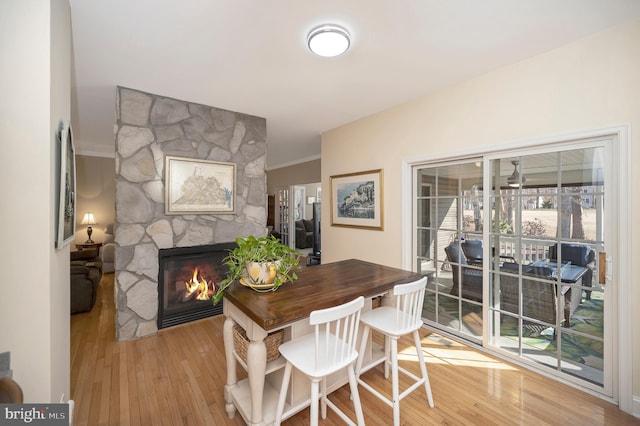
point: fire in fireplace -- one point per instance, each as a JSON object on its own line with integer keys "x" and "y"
{"x": 187, "y": 278}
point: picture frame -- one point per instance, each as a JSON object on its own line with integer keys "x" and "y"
{"x": 65, "y": 186}
{"x": 357, "y": 200}
{"x": 194, "y": 186}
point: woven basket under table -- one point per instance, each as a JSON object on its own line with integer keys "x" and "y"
{"x": 272, "y": 342}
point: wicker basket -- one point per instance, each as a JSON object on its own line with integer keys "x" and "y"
{"x": 272, "y": 342}
{"x": 376, "y": 302}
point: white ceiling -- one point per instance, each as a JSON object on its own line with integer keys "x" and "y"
{"x": 251, "y": 56}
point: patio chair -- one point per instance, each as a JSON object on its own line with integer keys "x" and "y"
{"x": 538, "y": 292}
{"x": 472, "y": 249}
{"x": 577, "y": 254}
{"x": 466, "y": 281}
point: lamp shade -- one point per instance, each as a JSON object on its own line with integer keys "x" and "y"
{"x": 88, "y": 219}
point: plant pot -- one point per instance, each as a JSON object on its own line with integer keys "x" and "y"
{"x": 261, "y": 273}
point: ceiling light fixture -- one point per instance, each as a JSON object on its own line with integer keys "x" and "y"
{"x": 328, "y": 40}
{"x": 514, "y": 180}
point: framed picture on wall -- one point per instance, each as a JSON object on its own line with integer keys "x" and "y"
{"x": 66, "y": 186}
{"x": 195, "y": 186}
{"x": 356, "y": 200}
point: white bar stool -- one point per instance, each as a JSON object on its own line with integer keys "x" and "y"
{"x": 405, "y": 318}
{"x": 319, "y": 354}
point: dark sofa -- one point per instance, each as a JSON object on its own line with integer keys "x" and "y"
{"x": 86, "y": 272}
{"x": 304, "y": 233}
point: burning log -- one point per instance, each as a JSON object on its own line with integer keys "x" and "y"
{"x": 197, "y": 288}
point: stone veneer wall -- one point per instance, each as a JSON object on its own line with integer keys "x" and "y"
{"x": 149, "y": 128}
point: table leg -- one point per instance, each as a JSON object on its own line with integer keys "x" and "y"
{"x": 567, "y": 307}
{"x": 232, "y": 379}
{"x": 257, "y": 366}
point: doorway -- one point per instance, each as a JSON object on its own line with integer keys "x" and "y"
{"x": 511, "y": 243}
{"x": 297, "y": 219}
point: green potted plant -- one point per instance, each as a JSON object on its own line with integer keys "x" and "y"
{"x": 263, "y": 264}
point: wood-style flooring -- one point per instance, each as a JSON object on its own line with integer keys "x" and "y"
{"x": 177, "y": 378}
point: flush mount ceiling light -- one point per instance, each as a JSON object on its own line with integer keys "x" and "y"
{"x": 328, "y": 40}
{"x": 514, "y": 179}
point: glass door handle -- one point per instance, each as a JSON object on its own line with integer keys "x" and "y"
{"x": 604, "y": 268}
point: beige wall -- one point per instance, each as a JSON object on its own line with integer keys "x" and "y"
{"x": 298, "y": 174}
{"x": 35, "y": 52}
{"x": 96, "y": 192}
{"x": 592, "y": 83}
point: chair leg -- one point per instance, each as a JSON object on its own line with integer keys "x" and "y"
{"x": 394, "y": 381}
{"x": 283, "y": 393}
{"x": 363, "y": 346}
{"x": 323, "y": 398}
{"x": 423, "y": 368}
{"x": 387, "y": 358}
{"x": 313, "y": 404}
{"x": 355, "y": 396}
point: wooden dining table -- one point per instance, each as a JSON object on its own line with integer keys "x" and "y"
{"x": 288, "y": 308}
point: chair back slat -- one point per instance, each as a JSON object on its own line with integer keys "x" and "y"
{"x": 409, "y": 300}
{"x": 336, "y": 331}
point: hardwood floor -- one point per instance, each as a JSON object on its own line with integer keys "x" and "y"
{"x": 177, "y": 378}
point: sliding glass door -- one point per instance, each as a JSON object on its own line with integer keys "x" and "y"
{"x": 448, "y": 209}
{"x": 546, "y": 230}
{"x": 510, "y": 243}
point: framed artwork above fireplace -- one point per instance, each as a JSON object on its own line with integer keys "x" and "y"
{"x": 194, "y": 186}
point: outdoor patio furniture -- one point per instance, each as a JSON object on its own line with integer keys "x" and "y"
{"x": 472, "y": 249}
{"x": 577, "y": 254}
{"x": 538, "y": 292}
{"x": 470, "y": 284}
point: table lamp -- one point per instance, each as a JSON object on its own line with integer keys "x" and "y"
{"x": 88, "y": 219}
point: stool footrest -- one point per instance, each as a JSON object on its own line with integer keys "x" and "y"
{"x": 417, "y": 382}
{"x": 371, "y": 365}
{"x": 339, "y": 412}
{"x": 375, "y": 392}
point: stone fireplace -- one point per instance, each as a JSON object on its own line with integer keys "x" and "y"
{"x": 149, "y": 128}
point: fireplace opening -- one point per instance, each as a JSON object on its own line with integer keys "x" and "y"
{"x": 187, "y": 278}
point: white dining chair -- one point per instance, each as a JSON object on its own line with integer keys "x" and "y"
{"x": 394, "y": 322}
{"x": 330, "y": 348}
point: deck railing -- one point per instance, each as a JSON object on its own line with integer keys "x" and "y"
{"x": 530, "y": 249}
